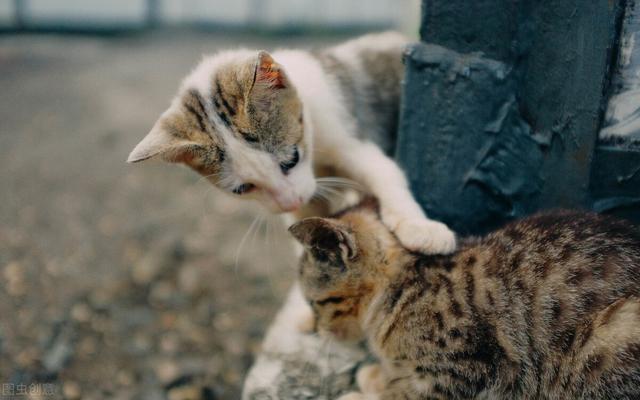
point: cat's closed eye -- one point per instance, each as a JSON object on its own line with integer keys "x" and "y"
{"x": 330, "y": 300}
{"x": 249, "y": 137}
{"x": 244, "y": 188}
{"x": 286, "y": 166}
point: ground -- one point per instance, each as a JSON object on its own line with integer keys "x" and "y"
{"x": 122, "y": 281}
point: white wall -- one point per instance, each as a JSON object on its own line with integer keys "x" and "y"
{"x": 225, "y": 11}
{"x": 101, "y": 12}
{"x": 6, "y": 13}
{"x": 266, "y": 13}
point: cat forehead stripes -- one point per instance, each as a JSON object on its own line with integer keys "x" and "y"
{"x": 219, "y": 85}
{"x": 249, "y": 94}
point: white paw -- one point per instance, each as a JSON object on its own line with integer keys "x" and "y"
{"x": 426, "y": 236}
{"x": 370, "y": 379}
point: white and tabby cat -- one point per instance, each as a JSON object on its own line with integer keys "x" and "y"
{"x": 263, "y": 127}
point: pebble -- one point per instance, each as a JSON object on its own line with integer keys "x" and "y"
{"x": 189, "y": 392}
{"x": 125, "y": 378}
{"x": 169, "y": 343}
{"x": 27, "y": 357}
{"x": 166, "y": 371}
{"x": 165, "y": 256}
{"x": 101, "y": 298}
{"x": 14, "y": 279}
{"x": 190, "y": 279}
{"x": 146, "y": 270}
{"x": 71, "y": 390}
{"x": 223, "y": 322}
{"x": 87, "y": 346}
{"x": 81, "y": 312}
{"x": 161, "y": 293}
{"x": 140, "y": 344}
{"x": 58, "y": 355}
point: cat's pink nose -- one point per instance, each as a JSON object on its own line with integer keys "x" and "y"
{"x": 288, "y": 204}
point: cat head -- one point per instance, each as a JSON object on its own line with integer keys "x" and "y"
{"x": 238, "y": 121}
{"x": 347, "y": 259}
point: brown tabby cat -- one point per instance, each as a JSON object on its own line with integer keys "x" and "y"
{"x": 545, "y": 308}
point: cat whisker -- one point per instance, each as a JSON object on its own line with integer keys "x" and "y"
{"x": 243, "y": 241}
{"x": 325, "y": 197}
{"x": 263, "y": 228}
{"x": 268, "y": 236}
{"x": 331, "y": 191}
{"x": 319, "y": 196}
{"x": 336, "y": 181}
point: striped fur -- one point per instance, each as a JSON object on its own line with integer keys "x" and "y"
{"x": 545, "y": 308}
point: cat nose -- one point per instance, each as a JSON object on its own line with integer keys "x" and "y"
{"x": 288, "y": 203}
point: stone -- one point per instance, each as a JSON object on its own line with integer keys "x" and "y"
{"x": 71, "y": 390}
{"x": 297, "y": 365}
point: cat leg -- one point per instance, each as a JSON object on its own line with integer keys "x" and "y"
{"x": 368, "y": 165}
{"x": 307, "y": 322}
{"x": 370, "y": 379}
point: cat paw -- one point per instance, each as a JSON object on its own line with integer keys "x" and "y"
{"x": 426, "y": 236}
{"x": 370, "y": 379}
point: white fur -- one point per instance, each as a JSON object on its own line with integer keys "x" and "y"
{"x": 279, "y": 192}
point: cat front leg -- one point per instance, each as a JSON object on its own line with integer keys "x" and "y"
{"x": 368, "y": 165}
{"x": 370, "y": 379}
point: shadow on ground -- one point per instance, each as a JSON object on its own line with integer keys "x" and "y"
{"x": 121, "y": 281}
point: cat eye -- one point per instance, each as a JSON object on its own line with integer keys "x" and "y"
{"x": 330, "y": 300}
{"x": 288, "y": 165}
{"x": 244, "y": 188}
{"x": 249, "y": 137}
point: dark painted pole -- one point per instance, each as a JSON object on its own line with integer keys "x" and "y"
{"x": 504, "y": 122}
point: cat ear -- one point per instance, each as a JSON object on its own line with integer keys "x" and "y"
{"x": 325, "y": 235}
{"x": 269, "y": 73}
{"x": 159, "y": 142}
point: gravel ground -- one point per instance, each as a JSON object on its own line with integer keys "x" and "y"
{"x": 121, "y": 281}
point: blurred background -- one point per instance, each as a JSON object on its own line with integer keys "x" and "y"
{"x": 287, "y": 15}
{"x": 134, "y": 281}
